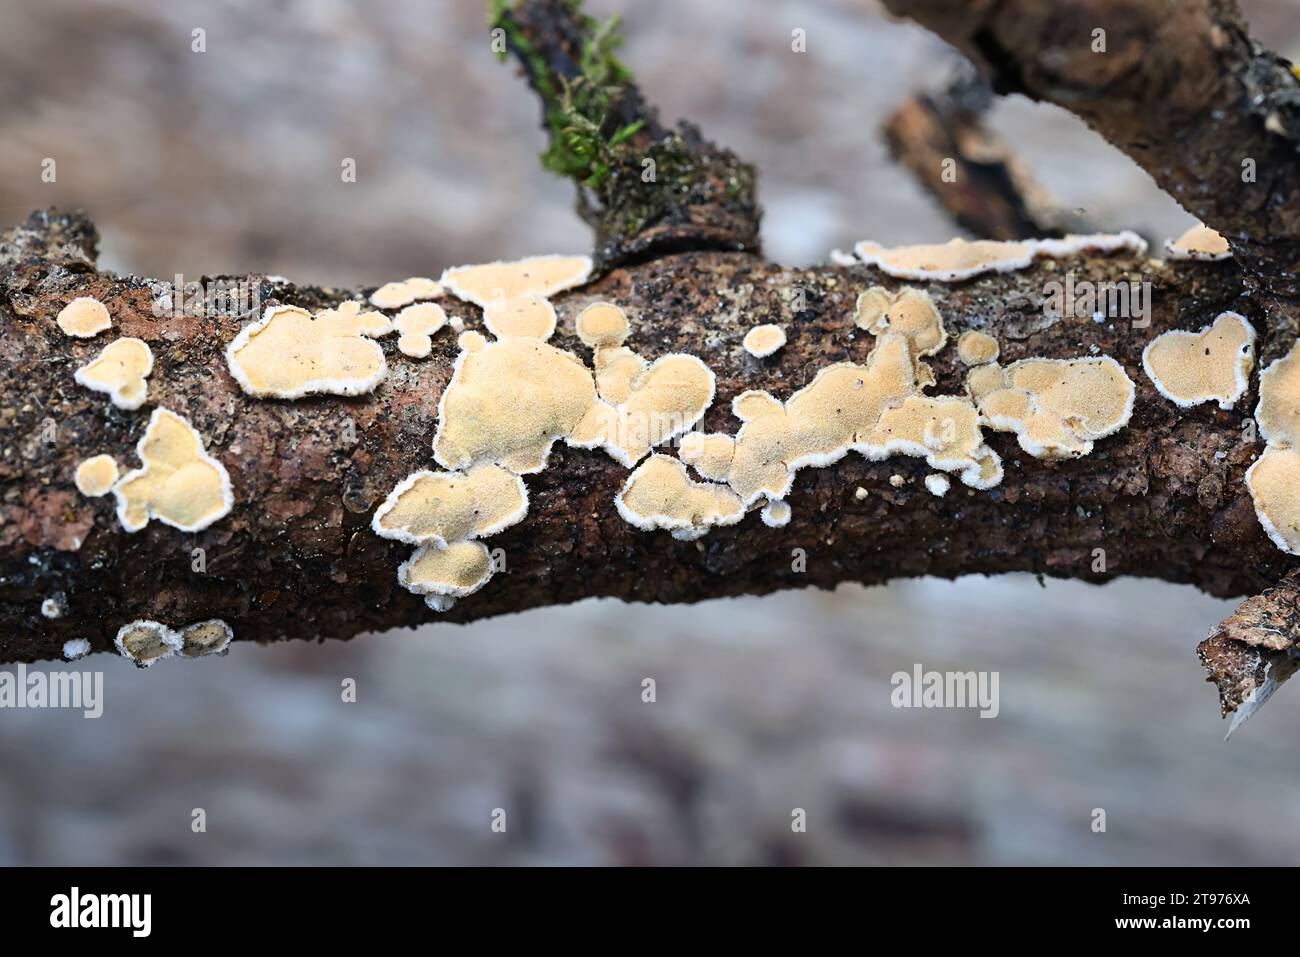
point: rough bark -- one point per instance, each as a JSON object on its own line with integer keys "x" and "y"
{"x": 296, "y": 558}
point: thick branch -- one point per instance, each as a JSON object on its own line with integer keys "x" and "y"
{"x": 1179, "y": 86}
{"x": 1163, "y": 498}
{"x": 644, "y": 188}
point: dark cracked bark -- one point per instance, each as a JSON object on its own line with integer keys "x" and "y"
{"x": 1164, "y": 498}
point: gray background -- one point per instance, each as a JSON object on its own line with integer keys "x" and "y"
{"x": 229, "y": 161}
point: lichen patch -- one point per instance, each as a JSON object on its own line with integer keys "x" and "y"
{"x": 119, "y": 370}
{"x": 95, "y": 476}
{"x": 1214, "y": 364}
{"x": 179, "y": 483}
{"x": 444, "y": 507}
{"x": 289, "y": 353}
{"x": 84, "y": 318}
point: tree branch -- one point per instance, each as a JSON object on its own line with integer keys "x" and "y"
{"x": 1163, "y": 498}
{"x": 646, "y": 189}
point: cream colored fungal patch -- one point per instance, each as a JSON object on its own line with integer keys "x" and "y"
{"x": 1278, "y": 410}
{"x": 443, "y": 507}
{"x": 96, "y": 475}
{"x": 710, "y": 454}
{"x": 526, "y": 317}
{"x": 763, "y": 341}
{"x": 662, "y": 402}
{"x": 1059, "y": 407}
{"x": 179, "y": 484}
{"x": 535, "y": 276}
{"x": 776, "y": 514}
{"x": 944, "y": 430}
{"x": 460, "y": 569}
{"x": 508, "y": 402}
{"x": 120, "y": 370}
{"x": 75, "y": 648}
{"x": 975, "y": 348}
{"x": 416, "y": 326}
{"x": 602, "y": 325}
{"x": 145, "y": 642}
{"x": 910, "y": 313}
{"x": 84, "y": 318}
{"x": 952, "y": 261}
{"x": 203, "y": 638}
{"x": 1274, "y": 488}
{"x": 289, "y": 353}
{"x": 1199, "y": 243}
{"x": 659, "y": 494}
{"x": 1189, "y": 368}
{"x": 960, "y": 259}
{"x": 394, "y": 295}
{"x": 937, "y": 484}
{"x": 471, "y": 341}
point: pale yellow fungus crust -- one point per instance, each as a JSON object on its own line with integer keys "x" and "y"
{"x": 395, "y": 295}
{"x": 120, "y": 370}
{"x": 84, "y": 318}
{"x": 659, "y": 494}
{"x": 416, "y": 326}
{"x": 471, "y": 341}
{"x": 289, "y": 353}
{"x": 96, "y": 475}
{"x": 776, "y": 514}
{"x": 535, "y": 276}
{"x": 710, "y": 454}
{"x": 1274, "y": 488}
{"x": 1058, "y": 407}
{"x": 602, "y": 325}
{"x": 523, "y": 317}
{"x": 1272, "y": 480}
{"x": 443, "y": 507}
{"x": 910, "y": 313}
{"x": 1214, "y": 364}
{"x": 960, "y": 259}
{"x": 460, "y": 569}
{"x": 937, "y": 484}
{"x": 763, "y": 341}
{"x": 203, "y": 638}
{"x": 144, "y": 642}
{"x": 975, "y": 348}
{"x": 1198, "y": 243}
{"x": 179, "y": 483}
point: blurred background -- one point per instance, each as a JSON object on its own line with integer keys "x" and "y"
{"x": 228, "y": 161}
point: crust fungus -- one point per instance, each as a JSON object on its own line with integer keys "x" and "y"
{"x": 523, "y": 317}
{"x": 120, "y": 370}
{"x": 1272, "y": 479}
{"x": 542, "y": 276}
{"x": 84, "y": 318}
{"x": 1200, "y": 243}
{"x": 910, "y": 313}
{"x": 1057, "y": 407}
{"x": 442, "y": 507}
{"x": 145, "y": 642}
{"x": 659, "y": 494}
{"x": 975, "y": 348}
{"x": 96, "y": 475}
{"x": 416, "y": 326}
{"x": 709, "y": 453}
{"x": 1189, "y": 368}
{"x": 179, "y": 484}
{"x": 75, "y": 648}
{"x": 776, "y": 514}
{"x": 460, "y": 569}
{"x": 960, "y": 259}
{"x": 602, "y": 325}
{"x": 394, "y": 295}
{"x": 937, "y": 484}
{"x": 762, "y": 341}
{"x": 203, "y": 638}
{"x": 289, "y": 353}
